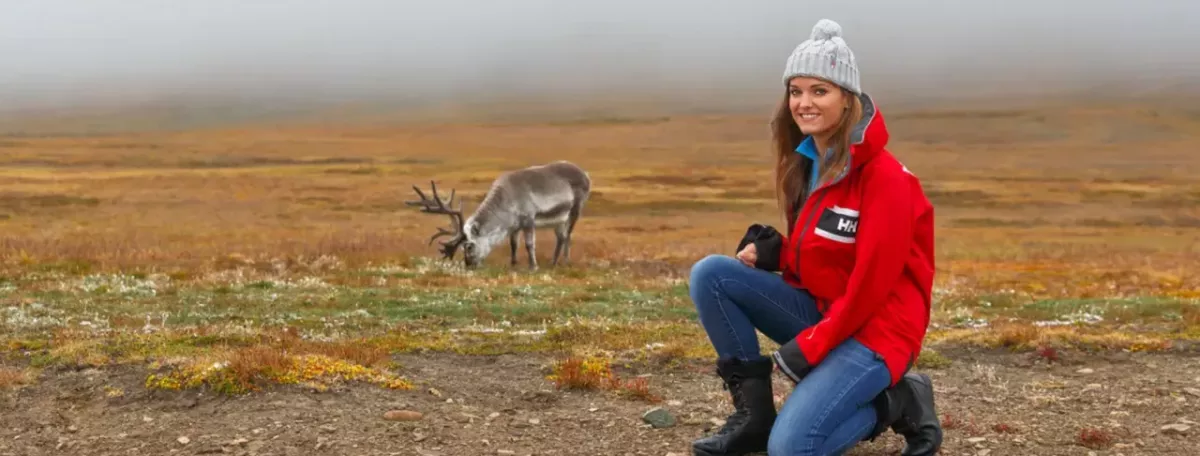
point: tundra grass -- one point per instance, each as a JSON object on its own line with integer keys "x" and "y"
{"x": 244, "y": 257}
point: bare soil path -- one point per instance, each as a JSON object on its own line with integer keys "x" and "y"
{"x": 992, "y": 403}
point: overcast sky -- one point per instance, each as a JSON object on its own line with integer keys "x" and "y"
{"x": 61, "y": 52}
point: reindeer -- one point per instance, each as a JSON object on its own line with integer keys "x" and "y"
{"x": 518, "y": 202}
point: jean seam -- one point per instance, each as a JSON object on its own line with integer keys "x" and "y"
{"x": 870, "y": 363}
{"x": 722, "y": 281}
{"x": 861, "y": 431}
{"x": 833, "y": 404}
{"x": 725, "y": 317}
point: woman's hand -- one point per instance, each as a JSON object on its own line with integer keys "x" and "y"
{"x": 748, "y": 255}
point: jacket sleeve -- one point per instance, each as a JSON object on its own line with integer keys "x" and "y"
{"x": 768, "y": 243}
{"x": 882, "y": 245}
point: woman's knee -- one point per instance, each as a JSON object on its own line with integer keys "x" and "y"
{"x": 804, "y": 437}
{"x": 794, "y": 426}
{"x": 780, "y": 441}
{"x": 788, "y": 441}
{"x": 799, "y": 437}
{"x": 711, "y": 267}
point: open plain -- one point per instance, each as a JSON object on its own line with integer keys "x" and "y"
{"x": 262, "y": 289}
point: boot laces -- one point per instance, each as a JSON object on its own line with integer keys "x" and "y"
{"x": 733, "y": 422}
{"x": 740, "y": 414}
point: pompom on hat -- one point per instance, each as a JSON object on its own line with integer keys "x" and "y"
{"x": 824, "y": 55}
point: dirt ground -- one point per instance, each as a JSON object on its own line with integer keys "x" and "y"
{"x": 991, "y": 403}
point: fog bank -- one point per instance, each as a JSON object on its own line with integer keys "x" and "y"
{"x": 706, "y": 53}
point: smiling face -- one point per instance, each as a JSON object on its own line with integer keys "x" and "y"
{"x": 816, "y": 105}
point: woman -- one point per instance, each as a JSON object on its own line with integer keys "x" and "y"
{"x": 851, "y": 305}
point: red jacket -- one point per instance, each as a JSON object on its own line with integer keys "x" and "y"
{"x": 863, "y": 246}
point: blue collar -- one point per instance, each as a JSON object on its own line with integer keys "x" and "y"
{"x": 808, "y": 148}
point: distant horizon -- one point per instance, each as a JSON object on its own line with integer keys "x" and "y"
{"x": 255, "y": 60}
{"x": 187, "y": 112}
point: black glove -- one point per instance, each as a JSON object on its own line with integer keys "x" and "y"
{"x": 767, "y": 242}
{"x": 791, "y": 361}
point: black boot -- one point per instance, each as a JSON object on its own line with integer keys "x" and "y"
{"x": 908, "y": 408}
{"x": 748, "y": 428}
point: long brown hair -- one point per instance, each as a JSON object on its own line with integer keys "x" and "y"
{"x": 791, "y": 170}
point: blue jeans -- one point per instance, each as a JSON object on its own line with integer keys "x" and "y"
{"x": 830, "y": 410}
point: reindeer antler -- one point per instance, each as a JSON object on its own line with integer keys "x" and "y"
{"x": 437, "y": 206}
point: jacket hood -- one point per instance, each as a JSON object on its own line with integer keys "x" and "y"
{"x": 870, "y": 134}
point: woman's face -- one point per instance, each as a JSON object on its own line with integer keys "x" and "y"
{"x": 817, "y": 105}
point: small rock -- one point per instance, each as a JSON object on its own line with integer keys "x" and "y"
{"x": 1085, "y": 371}
{"x": 543, "y": 396}
{"x": 435, "y": 392}
{"x": 328, "y": 428}
{"x": 659, "y": 418}
{"x": 238, "y": 442}
{"x": 1175, "y": 429}
{"x": 1192, "y": 391}
{"x": 984, "y": 452}
{"x": 184, "y": 440}
{"x": 402, "y": 415}
{"x": 976, "y": 439}
{"x": 675, "y": 403}
{"x": 505, "y": 452}
{"x": 72, "y": 429}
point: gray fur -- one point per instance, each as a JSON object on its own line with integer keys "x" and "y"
{"x": 518, "y": 202}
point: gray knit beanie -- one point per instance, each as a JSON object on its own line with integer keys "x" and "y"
{"x": 824, "y": 55}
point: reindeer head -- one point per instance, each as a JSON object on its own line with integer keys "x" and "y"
{"x": 436, "y": 206}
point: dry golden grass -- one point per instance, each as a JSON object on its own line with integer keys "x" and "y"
{"x": 11, "y": 377}
{"x": 1113, "y": 187}
{"x": 285, "y": 359}
{"x": 596, "y": 373}
{"x": 174, "y": 244}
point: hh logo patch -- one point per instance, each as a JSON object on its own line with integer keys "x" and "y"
{"x": 838, "y": 224}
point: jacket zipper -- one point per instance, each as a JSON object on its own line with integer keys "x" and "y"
{"x": 811, "y": 215}
{"x": 800, "y": 209}
{"x": 798, "y": 236}
{"x": 804, "y": 228}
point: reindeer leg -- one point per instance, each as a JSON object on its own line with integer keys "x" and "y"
{"x": 569, "y": 229}
{"x": 529, "y": 246}
{"x": 560, "y": 241}
{"x": 512, "y": 241}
